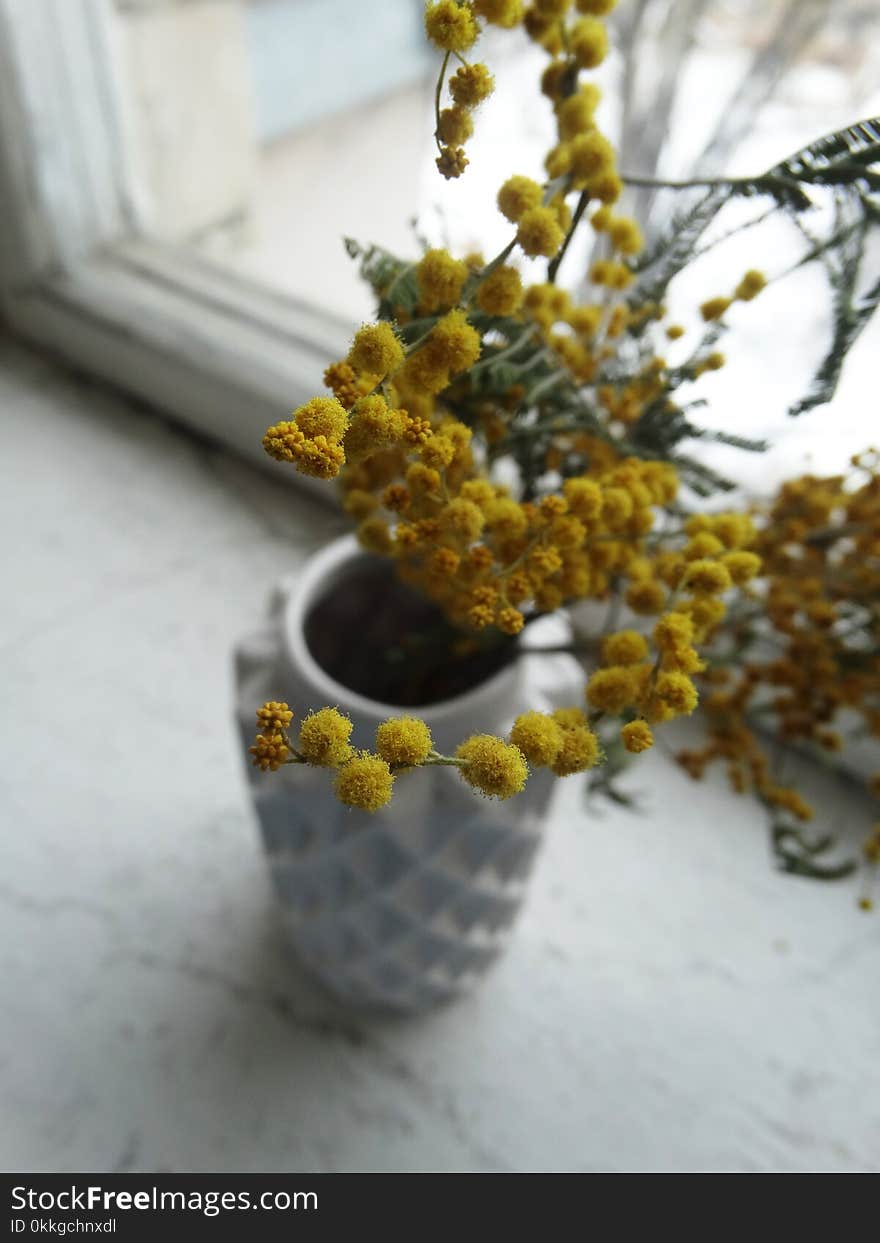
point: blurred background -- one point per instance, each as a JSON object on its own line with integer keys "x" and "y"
{"x": 177, "y": 176}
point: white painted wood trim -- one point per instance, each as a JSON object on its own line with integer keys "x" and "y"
{"x": 221, "y": 354}
{"x": 26, "y": 244}
{"x": 62, "y": 159}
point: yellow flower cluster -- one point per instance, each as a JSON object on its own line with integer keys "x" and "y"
{"x": 491, "y": 560}
{"x": 312, "y": 440}
{"x": 562, "y": 741}
{"x": 365, "y": 779}
{"x": 355, "y": 423}
{"x": 453, "y": 28}
{"x": 748, "y": 288}
{"x": 274, "y": 717}
{"x": 685, "y": 585}
{"x": 804, "y": 644}
{"x": 495, "y": 768}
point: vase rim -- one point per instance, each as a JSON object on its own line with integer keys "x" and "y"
{"x": 319, "y": 570}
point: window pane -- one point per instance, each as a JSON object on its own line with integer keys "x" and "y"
{"x": 266, "y": 130}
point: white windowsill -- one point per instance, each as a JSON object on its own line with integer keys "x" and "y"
{"x": 223, "y": 354}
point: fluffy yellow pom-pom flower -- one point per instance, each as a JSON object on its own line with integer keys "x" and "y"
{"x": 462, "y": 518}
{"x": 517, "y": 196}
{"x": 742, "y": 566}
{"x": 423, "y": 372}
{"x": 454, "y": 343}
{"x": 591, "y": 155}
{"x": 602, "y": 219}
{"x": 437, "y": 452}
{"x": 373, "y": 426}
{"x": 677, "y": 692}
{"x": 588, "y": 42}
{"x": 376, "y": 350}
{"x": 493, "y": 767}
{"x": 607, "y": 187}
{"x": 627, "y": 647}
{"x": 612, "y": 689}
{"x": 404, "y": 740}
{"x": 439, "y": 278}
{"x": 364, "y": 782}
{"x": 637, "y": 737}
{"x": 323, "y": 738}
{"x": 538, "y": 736}
{"x": 584, "y": 497}
{"x": 322, "y": 416}
{"x": 580, "y": 746}
{"x": 708, "y": 577}
{"x": 471, "y": 84}
{"x": 539, "y": 232}
{"x": 455, "y": 126}
{"x": 646, "y": 596}
{"x": 672, "y": 631}
{"x": 501, "y": 293}
{"x": 703, "y": 544}
{"x": 450, "y": 26}
{"x": 626, "y": 235}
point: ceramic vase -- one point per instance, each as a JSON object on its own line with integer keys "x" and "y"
{"x": 408, "y": 907}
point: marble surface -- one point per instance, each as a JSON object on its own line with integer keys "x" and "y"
{"x": 669, "y": 1002}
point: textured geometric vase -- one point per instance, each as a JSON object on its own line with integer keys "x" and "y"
{"x": 407, "y": 907}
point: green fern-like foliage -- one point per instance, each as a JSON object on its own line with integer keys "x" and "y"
{"x": 840, "y": 171}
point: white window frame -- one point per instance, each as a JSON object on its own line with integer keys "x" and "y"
{"x": 223, "y": 354}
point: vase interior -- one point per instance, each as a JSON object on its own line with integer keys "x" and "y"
{"x": 379, "y": 638}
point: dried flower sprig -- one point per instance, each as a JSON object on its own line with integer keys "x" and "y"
{"x": 562, "y": 741}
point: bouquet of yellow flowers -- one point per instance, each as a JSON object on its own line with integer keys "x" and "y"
{"x": 513, "y": 448}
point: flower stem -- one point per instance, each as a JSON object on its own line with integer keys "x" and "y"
{"x": 437, "y": 94}
{"x": 575, "y": 221}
